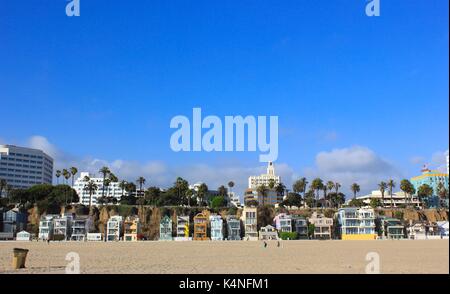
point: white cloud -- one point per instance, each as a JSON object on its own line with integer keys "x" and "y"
{"x": 355, "y": 164}
{"x": 439, "y": 160}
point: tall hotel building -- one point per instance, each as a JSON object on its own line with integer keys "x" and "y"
{"x": 25, "y": 167}
{"x": 113, "y": 190}
{"x": 254, "y": 182}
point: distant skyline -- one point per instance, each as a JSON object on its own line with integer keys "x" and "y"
{"x": 359, "y": 99}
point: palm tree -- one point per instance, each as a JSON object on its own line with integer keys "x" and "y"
{"x": 355, "y": 189}
{"x": 64, "y": 174}
{"x": 141, "y": 182}
{"x": 336, "y": 187}
{"x": 123, "y": 186}
{"x": 67, "y": 176}
{"x": 317, "y": 185}
{"x": 391, "y": 186}
{"x": 262, "y": 190}
{"x": 300, "y": 186}
{"x": 280, "y": 188}
{"x": 230, "y": 185}
{"x": 107, "y": 183}
{"x": 201, "y": 192}
{"x": 104, "y": 171}
{"x": 330, "y": 187}
{"x": 382, "y": 186}
{"x": 407, "y": 188}
{"x": 73, "y": 171}
{"x": 57, "y": 174}
{"x": 271, "y": 184}
{"x": 90, "y": 187}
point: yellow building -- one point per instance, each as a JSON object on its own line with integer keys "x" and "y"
{"x": 132, "y": 228}
{"x": 356, "y": 223}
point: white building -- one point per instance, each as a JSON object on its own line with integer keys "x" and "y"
{"x": 255, "y": 181}
{"x": 113, "y": 190}
{"x": 216, "y": 227}
{"x": 23, "y": 236}
{"x": 25, "y": 167}
{"x": 114, "y": 228}
{"x": 79, "y": 228}
{"x": 250, "y": 219}
{"x": 62, "y": 226}
{"x": 46, "y": 227}
{"x": 398, "y": 198}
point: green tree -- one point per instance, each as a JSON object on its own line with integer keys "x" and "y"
{"x": 300, "y": 186}
{"x": 356, "y": 203}
{"x": 271, "y": 184}
{"x": 355, "y": 189}
{"x": 105, "y": 172}
{"x": 222, "y": 191}
{"x": 408, "y": 188}
{"x": 317, "y": 185}
{"x": 374, "y": 203}
{"x": 65, "y": 174}
{"x": 202, "y": 192}
{"x": 391, "y": 186}
{"x": 218, "y": 202}
{"x": 91, "y": 187}
{"x": 382, "y": 186}
{"x": 123, "y": 186}
{"x": 292, "y": 199}
{"x": 73, "y": 172}
{"x": 140, "y": 181}
{"x": 57, "y": 174}
{"x": 424, "y": 191}
{"x": 280, "y": 189}
{"x": 152, "y": 195}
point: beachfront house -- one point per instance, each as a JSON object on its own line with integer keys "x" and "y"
{"x": 356, "y": 223}
{"x": 23, "y": 236}
{"x": 200, "y": 227}
{"x": 250, "y": 220}
{"x": 46, "y": 227}
{"x": 12, "y": 221}
{"x": 182, "y": 228}
{"x": 79, "y": 228}
{"x": 165, "y": 228}
{"x": 62, "y": 227}
{"x": 233, "y": 228}
{"x": 301, "y": 227}
{"x": 114, "y": 228}
{"x": 268, "y": 233}
{"x": 422, "y": 230}
{"x": 216, "y": 227}
{"x": 131, "y": 228}
{"x": 391, "y": 228}
{"x": 284, "y": 223}
{"x": 323, "y": 226}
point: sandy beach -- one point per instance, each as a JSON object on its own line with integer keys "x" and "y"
{"x": 232, "y": 257}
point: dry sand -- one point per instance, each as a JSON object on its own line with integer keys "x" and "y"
{"x": 232, "y": 257}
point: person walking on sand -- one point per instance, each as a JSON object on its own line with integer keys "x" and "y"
{"x": 265, "y": 244}
{"x": 278, "y": 243}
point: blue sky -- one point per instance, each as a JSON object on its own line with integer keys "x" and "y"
{"x": 102, "y": 87}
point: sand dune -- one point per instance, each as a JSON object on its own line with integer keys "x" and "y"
{"x": 232, "y": 257}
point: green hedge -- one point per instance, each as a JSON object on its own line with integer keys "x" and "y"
{"x": 288, "y": 236}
